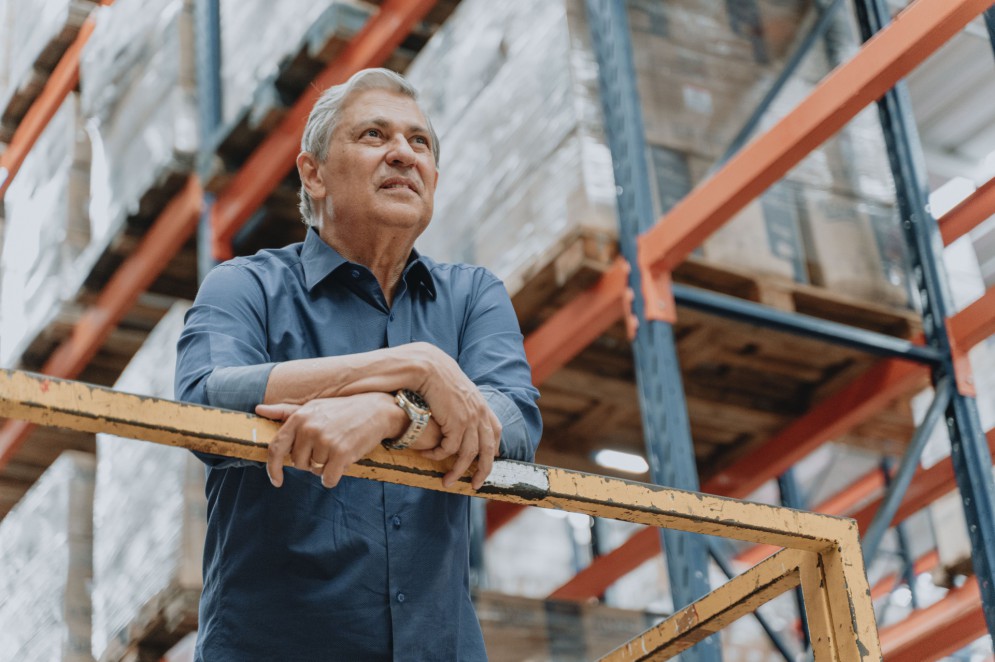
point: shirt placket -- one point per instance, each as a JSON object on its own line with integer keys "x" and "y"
{"x": 397, "y": 497}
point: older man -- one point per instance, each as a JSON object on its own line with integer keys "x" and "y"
{"x": 353, "y": 339}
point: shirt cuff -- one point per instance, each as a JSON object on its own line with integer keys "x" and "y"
{"x": 238, "y": 387}
{"x": 514, "y": 434}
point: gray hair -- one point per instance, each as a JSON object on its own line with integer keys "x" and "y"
{"x": 327, "y": 110}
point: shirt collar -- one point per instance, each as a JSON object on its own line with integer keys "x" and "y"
{"x": 319, "y": 260}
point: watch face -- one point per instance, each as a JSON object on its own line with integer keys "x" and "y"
{"x": 415, "y": 399}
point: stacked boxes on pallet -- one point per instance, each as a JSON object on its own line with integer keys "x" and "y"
{"x": 525, "y": 170}
{"x": 45, "y": 566}
{"x": 256, "y": 41}
{"x": 149, "y": 518}
{"x": 48, "y": 243}
{"x": 138, "y": 88}
{"x": 518, "y": 628}
{"x": 33, "y": 36}
{"x": 512, "y": 91}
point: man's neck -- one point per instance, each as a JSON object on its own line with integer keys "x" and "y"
{"x": 384, "y": 254}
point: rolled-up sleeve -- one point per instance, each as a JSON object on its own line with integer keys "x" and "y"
{"x": 221, "y": 356}
{"x": 492, "y": 354}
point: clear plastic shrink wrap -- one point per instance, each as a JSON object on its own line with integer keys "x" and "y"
{"x": 28, "y": 30}
{"x": 255, "y": 40}
{"x": 149, "y": 513}
{"x": 47, "y": 248}
{"x": 138, "y": 88}
{"x": 512, "y": 90}
{"x": 45, "y": 566}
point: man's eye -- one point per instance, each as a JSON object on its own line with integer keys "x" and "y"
{"x": 422, "y": 140}
{"x": 372, "y": 133}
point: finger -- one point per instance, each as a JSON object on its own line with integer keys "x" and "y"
{"x": 465, "y": 457}
{"x": 332, "y": 474}
{"x": 277, "y": 412}
{"x": 318, "y": 460}
{"x": 490, "y": 442}
{"x": 278, "y": 450}
{"x": 485, "y": 462}
{"x": 300, "y": 452}
{"x": 449, "y": 445}
{"x": 437, "y": 453}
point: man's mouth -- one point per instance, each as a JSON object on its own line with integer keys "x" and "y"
{"x": 399, "y": 183}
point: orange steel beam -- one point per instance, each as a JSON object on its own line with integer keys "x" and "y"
{"x": 967, "y": 215}
{"x": 61, "y": 82}
{"x": 882, "y": 61}
{"x": 976, "y": 322}
{"x": 575, "y": 326}
{"x": 605, "y": 570}
{"x": 270, "y": 162}
{"x": 500, "y": 513}
{"x": 938, "y": 630}
{"x": 174, "y": 226}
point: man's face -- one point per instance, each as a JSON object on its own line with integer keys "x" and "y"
{"x": 380, "y": 167}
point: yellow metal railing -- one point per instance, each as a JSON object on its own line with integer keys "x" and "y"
{"x": 822, "y": 553}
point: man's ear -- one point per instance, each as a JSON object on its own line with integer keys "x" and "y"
{"x": 307, "y": 168}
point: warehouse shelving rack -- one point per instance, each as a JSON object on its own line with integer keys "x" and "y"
{"x": 643, "y": 293}
{"x": 651, "y": 250}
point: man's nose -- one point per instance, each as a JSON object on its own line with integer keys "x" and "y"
{"x": 400, "y": 152}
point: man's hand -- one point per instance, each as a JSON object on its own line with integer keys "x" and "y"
{"x": 325, "y": 436}
{"x": 470, "y": 430}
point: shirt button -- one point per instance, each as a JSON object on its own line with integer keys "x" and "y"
{"x": 397, "y": 522}
{"x": 400, "y": 597}
{"x": 355, "y": 273}
{"x": 391, "y": 317}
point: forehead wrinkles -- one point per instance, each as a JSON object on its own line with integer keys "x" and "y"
{"x": 380, "y": 104}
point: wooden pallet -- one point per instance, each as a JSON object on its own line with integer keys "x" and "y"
{"x": 160, "y": 625}
{"x": 742, "y": 383}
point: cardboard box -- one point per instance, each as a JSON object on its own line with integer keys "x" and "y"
{"x": 852, "y": 248}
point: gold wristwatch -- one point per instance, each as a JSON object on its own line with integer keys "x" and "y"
{"x": 418, "y": 411}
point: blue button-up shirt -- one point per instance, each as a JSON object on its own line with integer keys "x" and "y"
{"x": 366, "y": 570}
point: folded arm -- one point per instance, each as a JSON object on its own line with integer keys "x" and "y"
{"x": 223, "y": 362}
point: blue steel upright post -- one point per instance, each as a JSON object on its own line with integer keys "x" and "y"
{"x": 971, "y": 459}
{"x": 207, "y": 31}
{"x": 661, "y": 394}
